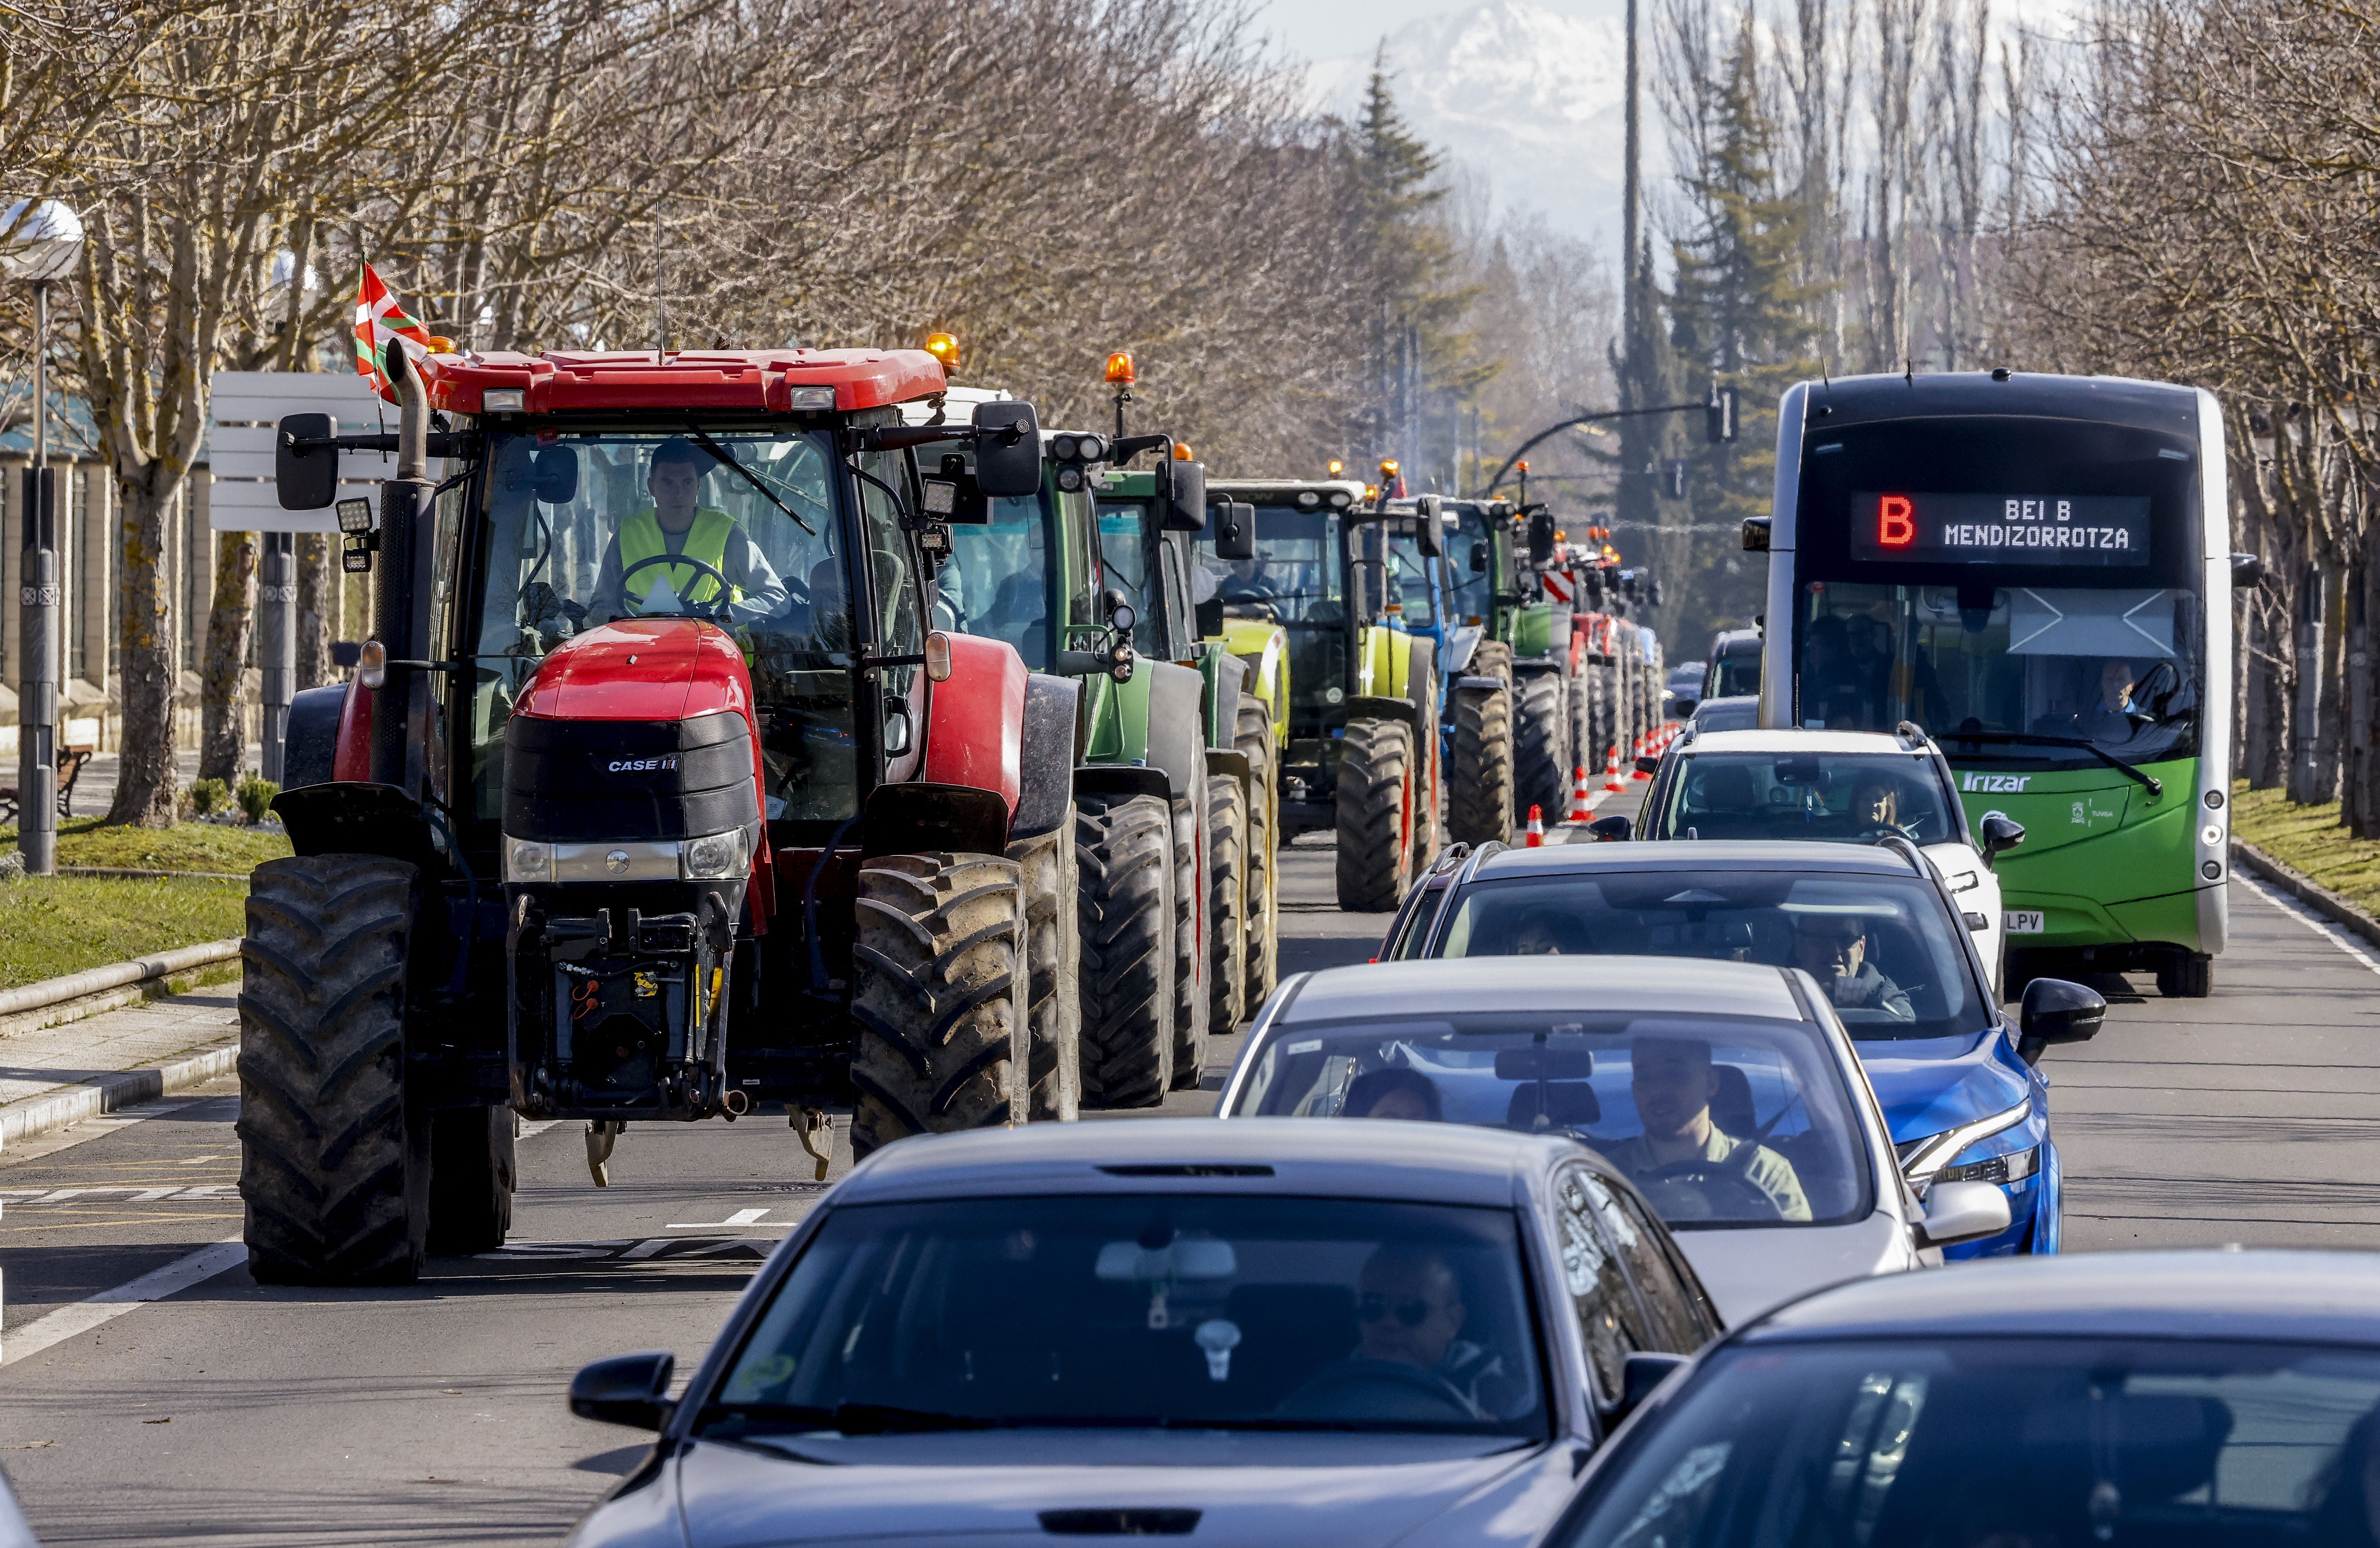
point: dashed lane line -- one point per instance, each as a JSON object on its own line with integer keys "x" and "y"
{"x": 69, "y": 1321}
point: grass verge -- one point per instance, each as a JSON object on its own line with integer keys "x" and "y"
{"x": 55, "y": 925}
{"x": 2309, "y": 839}
{"x": 183, "y": 847}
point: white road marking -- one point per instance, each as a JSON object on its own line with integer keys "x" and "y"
{"x": 67, "y": 1322}
{"x": 93, "y": 1128}
{"x": 531, "y": 1130}
{"x": 199, "y": 1160}
{"x": 741, "y": 1217}
{"x": 2311, "y": 919}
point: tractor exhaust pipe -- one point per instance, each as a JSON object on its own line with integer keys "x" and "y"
{"x": 394, "y": 599}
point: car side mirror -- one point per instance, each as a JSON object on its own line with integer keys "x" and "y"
{"x": 1962, "y": 1212}
{"x": 1235, "y": 530}
{"x": 1182, "y": 488}
{"x": 1429, "y": 526}
{"x": 1641, "y": 1375}
{"x": 554, "y": 475}
{"x": 2247, "y": 570}
{"x": 1647, "y": 765}
{"x": 2001, "y": 834}
{"x": 1681, "y": 709}
{"x": 1007, "y": 449}
{"x": 626, "y": 1389}
{"x": 1479, "y": 557}
{"x": 2056, "y": 1011}
{"x": 1610, "y": 830}
{"x": 305, "y": 478}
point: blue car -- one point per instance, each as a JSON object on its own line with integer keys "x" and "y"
{"x": 1886, "y": 949}
{"x": 2173, "y": 1399}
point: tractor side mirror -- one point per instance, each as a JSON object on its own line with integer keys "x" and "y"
{"x": 1183, "y": 488}
{"x": 305, "y": 478}
{"x": 554, "y": 475}
{"x": 1235, "y": 530}
{"x": 1479, "y": 557}
{"x": 1430, "y": 526}
{"x": 1541, "y": 538}
{"x": 1007, "y": 449}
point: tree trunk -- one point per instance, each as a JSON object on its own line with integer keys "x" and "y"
{"x": 147, "y": 661}
{"x": 2359, "y": 781}
{"x": 2307, "y": 785}
{"x": 317, "y": 608}
{"x": 223, "y": 704}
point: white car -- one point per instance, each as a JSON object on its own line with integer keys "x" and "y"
{"x": 1849, "y": 787}
{"x": 1726, "y": 1093}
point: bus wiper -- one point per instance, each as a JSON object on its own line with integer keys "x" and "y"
{"x": 2155, "y": 785}
{"x": 702, "y": 438}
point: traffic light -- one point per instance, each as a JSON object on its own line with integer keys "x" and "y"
{"x": 1718, "y": 415}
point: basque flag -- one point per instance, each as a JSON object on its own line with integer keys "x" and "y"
{"x": 379, "y": 318}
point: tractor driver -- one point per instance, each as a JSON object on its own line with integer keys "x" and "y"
{"x": 674, "y": 524}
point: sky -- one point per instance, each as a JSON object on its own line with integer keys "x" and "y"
{"x": 1310, "y": 29}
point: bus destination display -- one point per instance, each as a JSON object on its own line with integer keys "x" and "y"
{"x": 2000, "y": 529}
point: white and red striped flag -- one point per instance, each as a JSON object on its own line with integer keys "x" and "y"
{"x": 379, "y": 318}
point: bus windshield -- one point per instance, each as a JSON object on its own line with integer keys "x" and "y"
{"x": 2029, "y": 591}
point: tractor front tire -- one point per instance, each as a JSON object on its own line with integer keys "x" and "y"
{"x": 1190, "y": 996}
{"x": 1053, "y": 953}
{"x": 1479, "y": 788}
{"x": 1123, "y": 847}
{"x": 1376, "y": 815}
{"x": 471, "y": 1176}
{"x": 1541, "y": 767}
{"x": 939, "y": 983}
{"x": 1227, "y": 905}
{"x": 1254, "y": 739}
{"x": 334, "y": 1169}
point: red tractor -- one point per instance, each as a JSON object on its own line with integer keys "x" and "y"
{"x": 654, "y": 797}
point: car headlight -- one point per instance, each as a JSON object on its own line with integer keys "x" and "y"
{"x": 1921, "y": 1160}
{"x": 717, "y": 857}
{"x": 527, "y": 860}
{"x": 2012, "y": 1167}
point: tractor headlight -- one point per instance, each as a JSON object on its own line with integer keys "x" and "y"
{"x": 718, "y": 856}
{"x": 526, "y": 860}
{"x": 503, "y": 400}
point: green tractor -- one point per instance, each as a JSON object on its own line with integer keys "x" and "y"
{"x": 1030, "y": 570}
{"x": 1150, "y": 552}
{"x": 1361, "y": 757}
{"x": 1516, "y": 750}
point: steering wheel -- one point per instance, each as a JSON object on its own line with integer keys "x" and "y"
{"x": 726, "y": 587}
{"x": 1340, "y": 1391}
{"x": 1874, "y": 831}
{"x": 1724, "y": 1187}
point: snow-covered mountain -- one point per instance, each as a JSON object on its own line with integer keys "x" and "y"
{"x": 1529, "y": 99}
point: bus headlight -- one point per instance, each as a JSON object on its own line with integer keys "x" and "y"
{"x": 718, "y": 856}
{"x": 2211, "y": 835}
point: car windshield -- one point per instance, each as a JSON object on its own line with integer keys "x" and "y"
{"x": 1734, "y": 675}
{"x": 1880, "y": 947}
{"x": 1841, "y": 796}
{"x": 1727, "y": 714}
{"x": 1993, "y": 1443}
{"x": 1135, "y": 1310}
{"x": 1717, "y": 1121}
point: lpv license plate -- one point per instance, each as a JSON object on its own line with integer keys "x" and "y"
{"x": 2022, "y": 921}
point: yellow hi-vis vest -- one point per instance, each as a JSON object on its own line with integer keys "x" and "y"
{"x": 642, "y": 538}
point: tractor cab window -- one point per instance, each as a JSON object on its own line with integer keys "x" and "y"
{"x": 737, "y": 527}
{"x": 1470, "y": 564}
{"x": 1413, "y": 587}
{"x": 1299, "y": 581}
{"x": 996, "y": 581}
{"x": 1130, "y": 565}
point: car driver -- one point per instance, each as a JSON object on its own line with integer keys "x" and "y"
{"x": 1832, "y": 948}
{"x": 1673, "y": 1081}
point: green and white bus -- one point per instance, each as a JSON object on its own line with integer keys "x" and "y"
{"x": 2036, "y": 571}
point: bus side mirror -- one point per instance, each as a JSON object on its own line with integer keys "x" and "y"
{"x": 1756, "y": 535}
{"x": 305, "y": 478}
{"x": 2247, "y": 570}
{"x": 1007, "y": 450}
{"x": 1235, "y": 530}
{"x": 1429, "y": 526}
{"x": 1182, "y": 489}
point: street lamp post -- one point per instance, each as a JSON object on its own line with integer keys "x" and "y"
{"x": 40, "y": 241}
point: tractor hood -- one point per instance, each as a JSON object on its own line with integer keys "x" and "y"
{"x": 646, "y": 669}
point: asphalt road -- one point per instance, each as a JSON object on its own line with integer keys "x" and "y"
{"x": 238, "y": 1415}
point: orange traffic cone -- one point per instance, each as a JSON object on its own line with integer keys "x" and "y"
{"x": 1582, "y": 799}
{"x": 1612, "y": 784}
{"x": 1641, "y": 753}
{"x": 1536, "y": 839}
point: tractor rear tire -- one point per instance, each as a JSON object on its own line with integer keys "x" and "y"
{"x": 471, "y": 1176}
{"x": 1190, "y": 1021}
{"x": 1054, "y": 953}
{"x": 335, "y": 1168}
{"x": 1254, "y": 739}
{"x": 1491, "y": 658}
{"x": 1541, "y": 767}
{"x": 938, "y": 985}
{"x": 1584, "y": 752}
{"x": 1375, "y": 815}
{"x": 1479, "y": 783}
{"x": 1123, "y": 847}
{"x": 1430, "y": 782}
{"x": 1227, "y": 905}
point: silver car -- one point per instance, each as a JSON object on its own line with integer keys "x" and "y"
{"x": 1726, "y": 1093}
{"x": 1258, "y": 1332}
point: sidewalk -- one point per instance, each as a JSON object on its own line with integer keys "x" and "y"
{"x": 94, "y": 790}
{"x": 63, "y": 1074}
